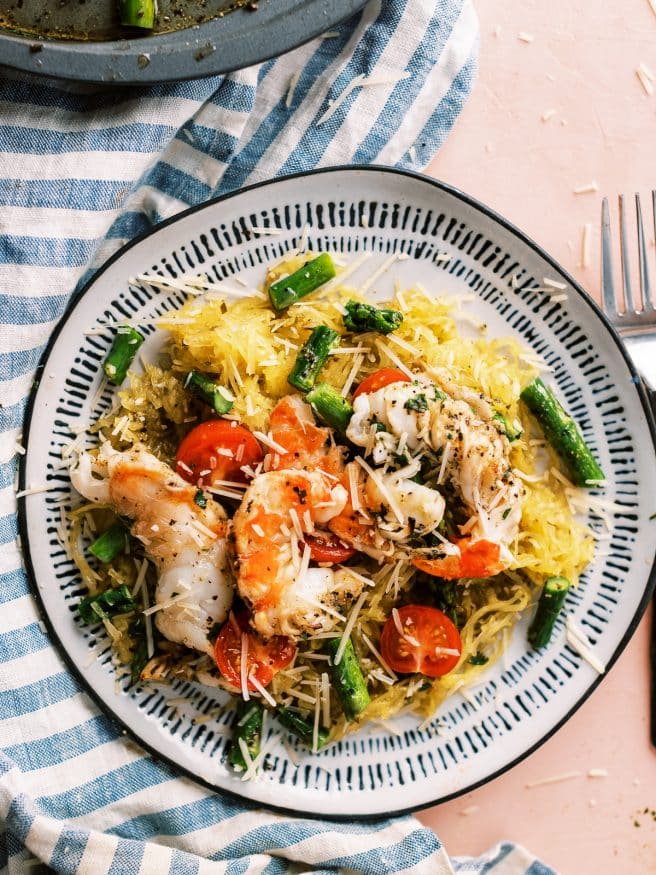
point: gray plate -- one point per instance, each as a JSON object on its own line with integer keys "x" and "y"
{"x": 237, "y": 40}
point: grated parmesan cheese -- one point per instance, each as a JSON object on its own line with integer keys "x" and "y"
{"x": 395, "y": 359}
{"x": 579, "y": 641}
{"x": 263, "y": 230}
{"x": 141, "y": 576}
{"x": 350, "y": 623}
{"x": 554, "y": 284}
{"x": 325, "y": 698}
{"x": 403, "y": 343}
{"x": 269, "y": 442}
{"x": 391, "y": 501}
{"x": 352, "y": 374}
{"x": 150, "y": 640}
{"x": 260, "y": 688}
{"x": 399, "y": 628}
{"x": 296, "y": 523}
{"x": 383, "y": 268}
{"x": 361, "y": 81}
{"x": 243, "y": 667}
{"x": 293, "y": 82}
{"x": 351, "y": 268}
{"x": 34, "y": 490}
{"x": 317, "y": 714}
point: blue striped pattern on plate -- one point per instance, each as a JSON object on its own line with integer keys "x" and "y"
{"x": 91, "y": 169}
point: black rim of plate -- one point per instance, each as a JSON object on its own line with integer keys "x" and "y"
{"x": 239, "y": 39}
{"x": 489, "y": 213}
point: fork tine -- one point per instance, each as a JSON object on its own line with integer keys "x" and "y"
{"x": 645, "y": 282}
{"x": 607, "y": 281}
{"x": 626, "y": 267}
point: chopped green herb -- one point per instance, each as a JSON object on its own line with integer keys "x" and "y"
{"x": 200, "y": 499}
{"x": 478, "y": 659}
{"x": 418, "y": 403}
{"x": 504, "y": 515}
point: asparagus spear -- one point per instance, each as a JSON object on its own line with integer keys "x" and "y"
{"x": 329, "y": 406}
{"x": 119, "y": 358}
{"x": 551, "y": 601}
{"x": 139, "y": 659}
{"x": 301, "y": 727}
{"x": 248, "y": 727}
{"x": 113, "y": 601}
{"x": 312, "y": 357}
{"x": 303, "y": 281}
{"x": 562, "y": 433}
{"x": 348, "y": 679}
{"x": 364, "y": 317}
{"x": 137, "y": 13}
{"x": 218, "y": 398}
{"x": 110, "y": 543}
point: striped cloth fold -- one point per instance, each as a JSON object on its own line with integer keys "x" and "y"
{"x": 82, "y": 170}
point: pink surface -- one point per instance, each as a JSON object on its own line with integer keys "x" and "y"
{"x": 581, "y": 64}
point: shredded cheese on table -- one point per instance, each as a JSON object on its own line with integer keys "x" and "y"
{"x": 554, "y": 779}
{"x": 587, "y": 189}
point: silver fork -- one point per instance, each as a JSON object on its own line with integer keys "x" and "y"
{"x": 636, "y": 320}
{"x": 636, "y": 324}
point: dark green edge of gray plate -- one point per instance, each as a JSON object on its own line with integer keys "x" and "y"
{"x": 240, "y": 39}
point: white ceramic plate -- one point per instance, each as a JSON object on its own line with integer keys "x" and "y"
{"x": 455, "y": 245}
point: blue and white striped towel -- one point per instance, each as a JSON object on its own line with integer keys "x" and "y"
{"x": 82, "y": 170}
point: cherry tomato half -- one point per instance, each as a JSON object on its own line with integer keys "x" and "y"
{"x": 216, "y": 450}
{"x": 327, "y": 547}
{"x": 264, "y": 660}
{"x": 427, "y": 632}
{"x": 380, "y": 379}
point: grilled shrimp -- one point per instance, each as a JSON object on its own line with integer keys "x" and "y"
{"x": 471, "y": 455}
{"x": 310, "y": 446}
{"x": 187, "y": 543}
{"x": 306, "y": 444}
{"x": 286, "y": 597}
